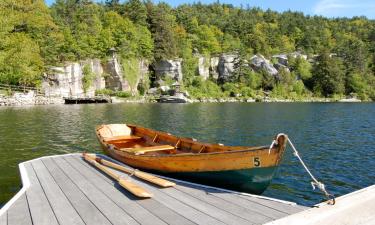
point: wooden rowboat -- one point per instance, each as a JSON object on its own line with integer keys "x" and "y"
{"x": 242, "y": 168}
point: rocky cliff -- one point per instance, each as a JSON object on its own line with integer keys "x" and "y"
{"x": 125, "y": 75}
{"x": 66, "y": 80}
{"x": 169, "y": 68}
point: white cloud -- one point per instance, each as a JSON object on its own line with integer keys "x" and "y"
{"x": 348, "y": 8}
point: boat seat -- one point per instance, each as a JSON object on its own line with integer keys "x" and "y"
{"x": 143, "y": 150}
{"x": 122, "y": 138}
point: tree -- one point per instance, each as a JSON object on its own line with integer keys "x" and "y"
{"x": 136, "y": 11}
{"x": 162, "y": 23}
{"x": 115, "y": 5}
{"x": 124, "y": 34}
{"x": 207, "y": 42}
{"x": 328, "y": 76}
{"x": 20, "y": 60}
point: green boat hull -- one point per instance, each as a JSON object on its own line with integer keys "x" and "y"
{"x": 254, "y": 180}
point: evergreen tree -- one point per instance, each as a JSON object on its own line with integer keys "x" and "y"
{"x": 162, "y": 23}
{"x": 328, "y": 76}
{"x": 136, "y": 11}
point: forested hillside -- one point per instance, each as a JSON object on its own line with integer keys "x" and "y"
{"x": 341, "y": 51}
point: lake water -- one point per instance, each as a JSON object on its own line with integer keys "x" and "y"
{"x": 336, "y": 140}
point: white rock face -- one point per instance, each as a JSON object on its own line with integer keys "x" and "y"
{"x": 214, "y": 70}
{"x": 67, "y": 80}
{"x": 170, "y": 68}
{"x": 143, "y": 71}
{"x": 204, "y": 67}
{"x": 114, "y": 79}
{"x": 226, "y": 66}
{"x": 258, "y": 62}
{"x": 281, "y": 59}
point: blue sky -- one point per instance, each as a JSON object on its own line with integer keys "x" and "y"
{"x": 328, "y": 8}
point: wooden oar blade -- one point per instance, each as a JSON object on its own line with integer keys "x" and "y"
{"x": 135, "y": 189}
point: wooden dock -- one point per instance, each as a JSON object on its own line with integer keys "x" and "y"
{"x": 354, "y": 208}
{"x": 67, "y": 190}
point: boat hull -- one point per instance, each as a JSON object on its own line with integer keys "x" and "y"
{"x": 240, "y": 168}
{"x": 222, "y": 173}
{"x": 255, "y": 180}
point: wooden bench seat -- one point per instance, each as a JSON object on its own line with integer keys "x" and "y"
{"x": 143, "y": 150}
{"x": 123, "y": 138}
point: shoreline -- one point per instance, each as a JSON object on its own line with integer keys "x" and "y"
{"x": 27, "y": 100}
{"x": 245, "y": 100}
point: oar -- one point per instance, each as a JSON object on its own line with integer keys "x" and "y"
{"x": 131, "y": 187}
{"x": 142, "y": 175}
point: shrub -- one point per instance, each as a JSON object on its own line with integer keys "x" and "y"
{"x": 104, "y": 92}
{"x": 123, "y": 94}
{"x": 207, "y": 89}
{"x": 88, "y": 77}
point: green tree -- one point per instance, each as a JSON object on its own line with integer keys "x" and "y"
{"x": 124, "y": 34}
{"x": 207, "y": 43}
{"x": 136, "y": 11}
{"x": 162, "y": 23}
{"x": 328, "y": 76}
{"x": 20, "y": 60}
{"x": 115, "y": 5}
{"x": 87, "y": 78}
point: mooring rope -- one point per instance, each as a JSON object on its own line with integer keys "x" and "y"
{"x": 314, "y": 183}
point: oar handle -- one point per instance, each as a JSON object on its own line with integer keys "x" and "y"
{"x": 142, "y": 175}
{"x": 131, "y": 187}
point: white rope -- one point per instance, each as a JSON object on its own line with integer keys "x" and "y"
{"x": 274, "y": 142}
{"x": 271, "y": 146}
{"x": 315, "y": 183}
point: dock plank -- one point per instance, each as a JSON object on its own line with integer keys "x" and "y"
{"x": 279, "y": 206}
{"x": 269, "y": 211}
{"x": 113, "y": 212}
{"x": 19, "y": 212}
{"x": 207, "y": 196}
{"x": 205, "y": 207}
{"x": 4, "y": 218}
{"x": 263, "y": 207}
{"x": 67, "y": 190}
{"x": 63, "y": 209}
{"x": 84, "y": 207}
{"x": 178, "y": 206}
{"x": 260, "y": 210}
{"x": 146, "y": 211}
{"x": 40, "y": 208}
{"x": 182, "y": 208}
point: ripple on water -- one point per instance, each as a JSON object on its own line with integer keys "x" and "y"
{"x": 336, "y": 140}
